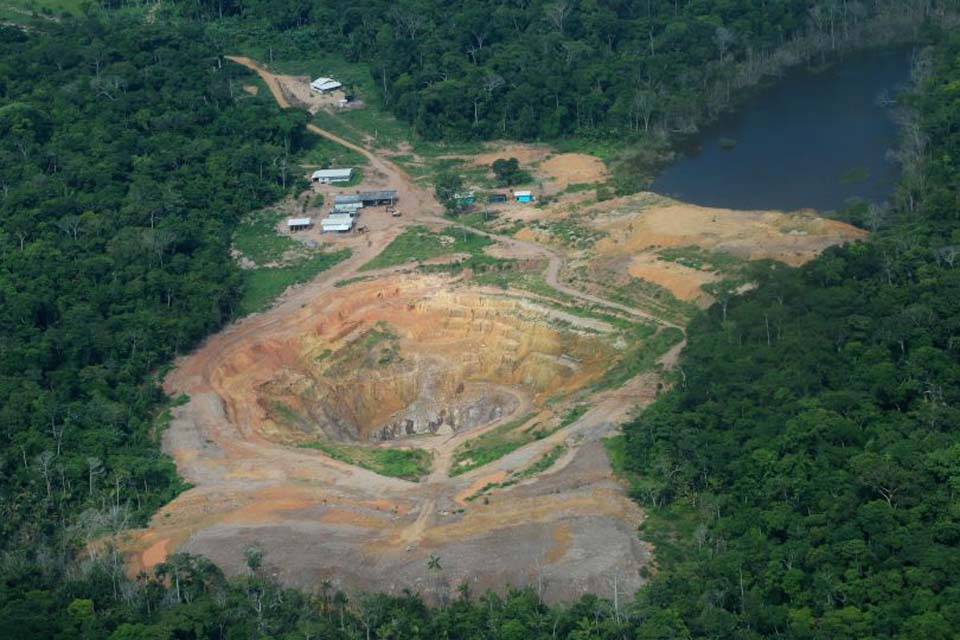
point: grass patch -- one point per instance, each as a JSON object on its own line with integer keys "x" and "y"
{"x": 418, "y": 243}
{"x": 377, "y": 347}
{"x": 408, "y": 464}
{"x": 570, "y": 232}
{"x": 348, "y": 281}
{"x": 262, "y": 286}
{"x": 257, "y": 239}
{"x": 577, "y": 187}
{"x": 573, "y": 415}
{"x": 486, "y": 220}
{"x": 506, "y": 439}
{"x": 280, "y": 261}
{"x": 328, "y": 154}
{"x": 478, "y": 263}
{"x": 546, "y": 461}
{"x": 701, "y": 259}
{"x": 491, "y": 446}
{"x": 368, "y": 126}
{"x": 635, "y": 292}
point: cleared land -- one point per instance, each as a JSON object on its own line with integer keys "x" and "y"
{"x": 446, "y": 392}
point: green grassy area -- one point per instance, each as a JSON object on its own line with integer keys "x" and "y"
{"x": 328, "y": 154}
{"x": 573, "y": 414}
{"x": 546, "y": 461}
{"x": 577, "y": 187}
{"x": 375, "y": 348}
{"x": 698, "y": 258}
{"x": 491, "y": 446}
{"x": 486, "y": 220}
{"x": 507, "y": 438}
{"x": 257, "y": 239}
{"x": 573, "y": 231}
{"x": 408, "y": 464}
{"x": 641, "y": 356}
{"x": 418, "y": 243}
{"x": 280, "y": 260}
{"x": 543, "y": 463}
{"x": 635, "y": 292}
{"x": 607, "y": 150}
{"x": 534, "y": 282}
{"x": 262, "y": 285}
{"x": 348, "y": 281}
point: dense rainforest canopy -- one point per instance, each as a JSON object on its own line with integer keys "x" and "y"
{"x": 125, "y": 160}
{"x": 802, "y": 478}
{"x": 545, "y": 69}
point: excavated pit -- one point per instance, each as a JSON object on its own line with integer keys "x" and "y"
{"x": 381, "y": 362}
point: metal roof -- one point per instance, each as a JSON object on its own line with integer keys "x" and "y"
{"x": 347, "y": 198}
{"x": 325, "y": 84}
{"x": 332, "y": 173}
{"x": 522, "y": 193}
{"x": 378, "y": 195}
{"x": 298, "y": 222}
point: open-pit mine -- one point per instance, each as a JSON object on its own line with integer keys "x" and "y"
{"x": 417, "y": 428}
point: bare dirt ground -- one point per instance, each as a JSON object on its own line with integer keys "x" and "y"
{"x": 472, "y": 358}
{"x": 573, "y": 168}
{"x": 792, "y": 238}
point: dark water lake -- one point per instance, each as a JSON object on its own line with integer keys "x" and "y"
{"x": 813, "y": 139}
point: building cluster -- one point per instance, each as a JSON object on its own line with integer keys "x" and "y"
{"x": 342, "y": 216}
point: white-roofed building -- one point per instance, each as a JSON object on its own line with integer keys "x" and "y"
{"x": 298, "y": 224}
{"x": 324, "y": 85}
{"x": 327, "y": 176}
{"x": 337, "y": 223}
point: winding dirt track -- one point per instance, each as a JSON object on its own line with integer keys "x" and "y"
{"x": 569, "y": 530}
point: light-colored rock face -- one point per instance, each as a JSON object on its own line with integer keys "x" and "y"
{"x": 385, "y": 365}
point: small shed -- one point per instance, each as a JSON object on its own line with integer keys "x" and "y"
{"x": 325, "y": 85}
{"x": 326, "y": 176}
{"x": 497, "y": 197}
{"x": 523, "y": 196}
{"x": 298, "y": 224}
{"x": 337, "y": 223}
{"x": 375, "y": 198}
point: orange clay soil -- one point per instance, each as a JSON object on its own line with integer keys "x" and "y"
{"x": 573, "y": 168}
{"x": 792, "y": 238}
{"x": 385, "y": 360}
{"x": 405, "y": 360}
